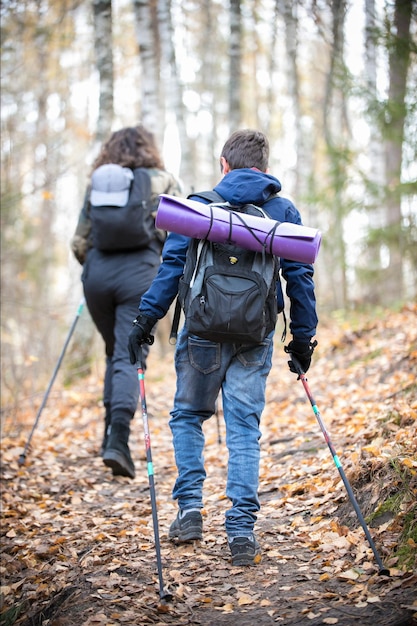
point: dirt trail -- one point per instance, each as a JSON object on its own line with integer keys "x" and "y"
{"x": 77, "y": 544}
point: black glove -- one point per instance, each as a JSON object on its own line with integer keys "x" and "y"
{"x": 302, "y": 351}
{"x": 140, "y": 334}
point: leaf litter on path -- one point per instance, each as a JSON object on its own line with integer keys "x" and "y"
{"x": 78, "y": 544}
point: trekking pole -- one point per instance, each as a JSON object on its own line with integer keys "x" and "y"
{"x": 301, "y": 375}
{"x": 164, "y": 595}
{"x": 22, "y": 457}
{"x": 219, "y": 434}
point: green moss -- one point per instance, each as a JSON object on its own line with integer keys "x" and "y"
{"x": 9, "y": 616}
{"x": 401, "y": 505}
{"x": 407, "y": 542}
{"x": 391, "y": 505}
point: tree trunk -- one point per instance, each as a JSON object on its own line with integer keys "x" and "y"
{"x": 336, "y": 132}
{"x": 210, "y": 85}
{"x": 147, "y": 36}
{"x": 102, "y": 11}
{"x": 235, "y": 64}
{"x": 173, "y": 91}
{"x": 371, "y": 261}
{"x": 289, "y": 12}
{"x": 399, "y": 60}
{"x": 272, "y": 69}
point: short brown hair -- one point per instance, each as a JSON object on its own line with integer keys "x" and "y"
{"x": 247, "y": 148}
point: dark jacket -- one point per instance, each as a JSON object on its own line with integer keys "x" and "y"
{"x": 242, "y": 186}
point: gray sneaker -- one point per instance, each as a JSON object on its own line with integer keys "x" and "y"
{"x": 187, "y": 528}
{"x": 245, "y": 551}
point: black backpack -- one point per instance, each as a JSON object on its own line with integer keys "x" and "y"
{"x": 228, "y": 294}
{"x": 130, "y": 227}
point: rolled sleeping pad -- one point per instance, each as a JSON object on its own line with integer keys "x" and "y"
{"x": 212, "y": 222}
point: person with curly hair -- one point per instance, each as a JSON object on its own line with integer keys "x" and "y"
{"x": 119, "y": 263}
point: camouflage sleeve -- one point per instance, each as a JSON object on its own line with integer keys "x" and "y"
{"x": 81, "y": 241}
{"x": 162, "y": 182}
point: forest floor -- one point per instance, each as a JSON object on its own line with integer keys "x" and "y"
{"x": 77, "y": 545}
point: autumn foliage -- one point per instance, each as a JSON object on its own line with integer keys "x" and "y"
{"x": 77, "y": 545}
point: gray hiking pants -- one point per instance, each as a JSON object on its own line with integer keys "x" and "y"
{"x": 113, "y": 285}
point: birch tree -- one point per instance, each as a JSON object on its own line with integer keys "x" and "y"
{"x": 36, "y": 113}
{"x": 395, "y": 115}
{"x": 336, "y": 132}
{"x": 235, "y": 67}
{"x": 102, "y": 11}
{"x": 289, "y": 13}
{"x": 369, "y": 266}
{"x": 172, "y": 87}
{"x": 272, "y": 68}
{"x": 370, "y": 68}
{"x": 147, "y": 36}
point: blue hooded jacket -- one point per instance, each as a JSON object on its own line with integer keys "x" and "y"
{"x": 242, "y": 186}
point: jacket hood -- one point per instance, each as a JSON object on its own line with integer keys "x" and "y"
{"x": 247, "y": 185}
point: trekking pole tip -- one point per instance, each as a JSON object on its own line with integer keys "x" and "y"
{"x": 165, "y": 596}
{"x": 22, "y": 459}
{"x": 384, "y": 572}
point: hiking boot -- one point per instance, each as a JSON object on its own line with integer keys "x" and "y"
{"x": 245, "y": 551}
{"x": 188, "y": 527}
{"x": 117, "y": 453}
{"x": 105, "y": 434}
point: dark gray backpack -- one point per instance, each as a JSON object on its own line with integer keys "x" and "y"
{"x": 128, "y": 227}
{"x": 228, "y": 294}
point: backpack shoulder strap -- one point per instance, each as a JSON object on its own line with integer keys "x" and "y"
{"x": 211, "y": 196}
{"x": 142, "y": 182}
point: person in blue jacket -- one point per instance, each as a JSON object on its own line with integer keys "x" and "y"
{"x": 240, "y": 372}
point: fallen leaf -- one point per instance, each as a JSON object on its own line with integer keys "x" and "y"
{"x": 245, "y": 599}
{"x": 349, "y": 575}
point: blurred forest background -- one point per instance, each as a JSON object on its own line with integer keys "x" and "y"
{"x": 332, "y": 83}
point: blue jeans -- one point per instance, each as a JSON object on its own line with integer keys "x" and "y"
{"x": 203, "y": 369}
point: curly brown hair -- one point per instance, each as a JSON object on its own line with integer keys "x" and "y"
{"x": 132, "y": 147}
